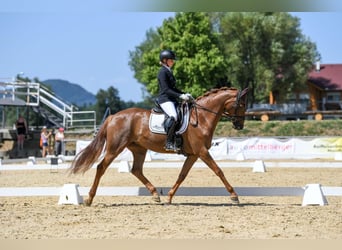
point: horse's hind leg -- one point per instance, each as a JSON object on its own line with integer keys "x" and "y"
{"x": 139, "y": 155}
{"x": 100, "y": 170}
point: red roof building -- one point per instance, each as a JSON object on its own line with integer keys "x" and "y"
{"x": 325, "y": 87}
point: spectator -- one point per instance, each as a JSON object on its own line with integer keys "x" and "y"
{"x": 21, "y": 127}
{"x": 44, "y": 136}
{"x": 59, "y": 138}
{"x": 51, "y": 142}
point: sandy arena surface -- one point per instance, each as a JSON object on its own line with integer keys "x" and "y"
{"x": 127, "y": 217}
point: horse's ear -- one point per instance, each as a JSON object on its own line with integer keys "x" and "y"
{"x": 244, "y": 92}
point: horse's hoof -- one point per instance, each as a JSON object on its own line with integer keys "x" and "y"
{"x": 235, "y": 200}
{"x": 168, "y": 201}
{"x": 87, "y": 203}
{"x": 156, "y": 198}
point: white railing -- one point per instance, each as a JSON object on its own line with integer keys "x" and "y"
{"x": 35, "y": 95}
{"x": 82, "y": 119}
{"x": 53, "y": 102}
{"x": 28, "y": 91}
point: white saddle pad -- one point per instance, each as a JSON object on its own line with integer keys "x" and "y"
{"x": 156, "y": 123}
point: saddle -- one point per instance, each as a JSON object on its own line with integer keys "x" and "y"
{"x": 157, "y": 118}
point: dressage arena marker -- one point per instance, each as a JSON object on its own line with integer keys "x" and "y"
{"x": 148, "y": 156}
{"x": 313, "y": 194}
{"x": 54, "y": 165}
{"x": 70, "y": 195}
{"x": 31, "y": 160}
{"x": 338, "y": 156}
{"x": 259, "y": 166}
{"x": 124, "y": 167}
{"x": 240, "y": 157}
{"x": 53, "y": 160}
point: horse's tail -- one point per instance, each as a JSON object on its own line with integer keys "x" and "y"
{"x": 87, "y": 157}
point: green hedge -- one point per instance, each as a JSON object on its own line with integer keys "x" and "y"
{"x": 281, "y": 128}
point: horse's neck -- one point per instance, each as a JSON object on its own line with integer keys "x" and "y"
{"x": 214, "y": 106}
{"x": 216, "y": 103}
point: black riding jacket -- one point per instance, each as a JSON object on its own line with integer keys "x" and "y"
{"x": 167, "y": 86}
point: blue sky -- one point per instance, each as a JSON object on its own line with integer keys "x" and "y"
{"x": 91, "y": 48}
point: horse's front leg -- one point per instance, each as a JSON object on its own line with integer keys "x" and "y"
{"x": 206, "y": 157}
{"x": 189, "y": 162}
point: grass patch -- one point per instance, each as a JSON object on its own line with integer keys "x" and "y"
{"x": 281, "y": 128}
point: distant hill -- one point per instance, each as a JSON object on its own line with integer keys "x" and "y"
{"x": 71, "y": 92}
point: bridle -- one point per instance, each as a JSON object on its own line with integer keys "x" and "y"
{"x": 232, "y": 117}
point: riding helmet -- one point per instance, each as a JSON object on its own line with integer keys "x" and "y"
{"x": 167, "y": 54}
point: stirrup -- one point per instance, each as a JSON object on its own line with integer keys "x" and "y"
{"x": 170, "y": 147}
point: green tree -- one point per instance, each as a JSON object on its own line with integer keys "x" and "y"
{"x": 108, "y": 99}
{"x": 201, "y": 65}
{"x": 266, "y": 52}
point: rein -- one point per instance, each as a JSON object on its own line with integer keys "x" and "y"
{"x": 225, "y": 114}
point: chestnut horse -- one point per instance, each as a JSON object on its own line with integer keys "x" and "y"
{"x": 130, "y": 128}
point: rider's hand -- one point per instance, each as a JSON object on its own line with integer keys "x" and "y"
{"x": 189, "y": 96}
{"x": 184, "y": 97}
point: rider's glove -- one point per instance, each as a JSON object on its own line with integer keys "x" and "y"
{"x": 189, "y": 96}
{"x": 184, "y": 97}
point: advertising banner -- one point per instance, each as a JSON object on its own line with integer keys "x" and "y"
{"x": 256, "y": 148}
{"x": 285, "y": 148}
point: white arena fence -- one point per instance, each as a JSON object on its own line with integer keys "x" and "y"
{"x": 182, "y": 191}
{"x": 228, "y": 152}
{"x": 257, "y": 148}
{"x": 239, "y": 149}
{"x": 313, "y": 194}
{"x": 30, "y": 164}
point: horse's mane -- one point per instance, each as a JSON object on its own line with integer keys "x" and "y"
{"x": 213, "y": 91}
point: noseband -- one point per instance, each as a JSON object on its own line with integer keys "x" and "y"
{"x": 236, "y": 105}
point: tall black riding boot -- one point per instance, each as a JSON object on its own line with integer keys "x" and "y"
{"x": 170, "y": 126}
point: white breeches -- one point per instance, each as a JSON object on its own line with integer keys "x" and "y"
{"x": 170, "y": 109}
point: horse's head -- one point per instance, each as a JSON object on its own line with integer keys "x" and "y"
{"x": 235, "y": 110}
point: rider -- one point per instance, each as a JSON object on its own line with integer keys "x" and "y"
{"x": 168, "y": 95}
